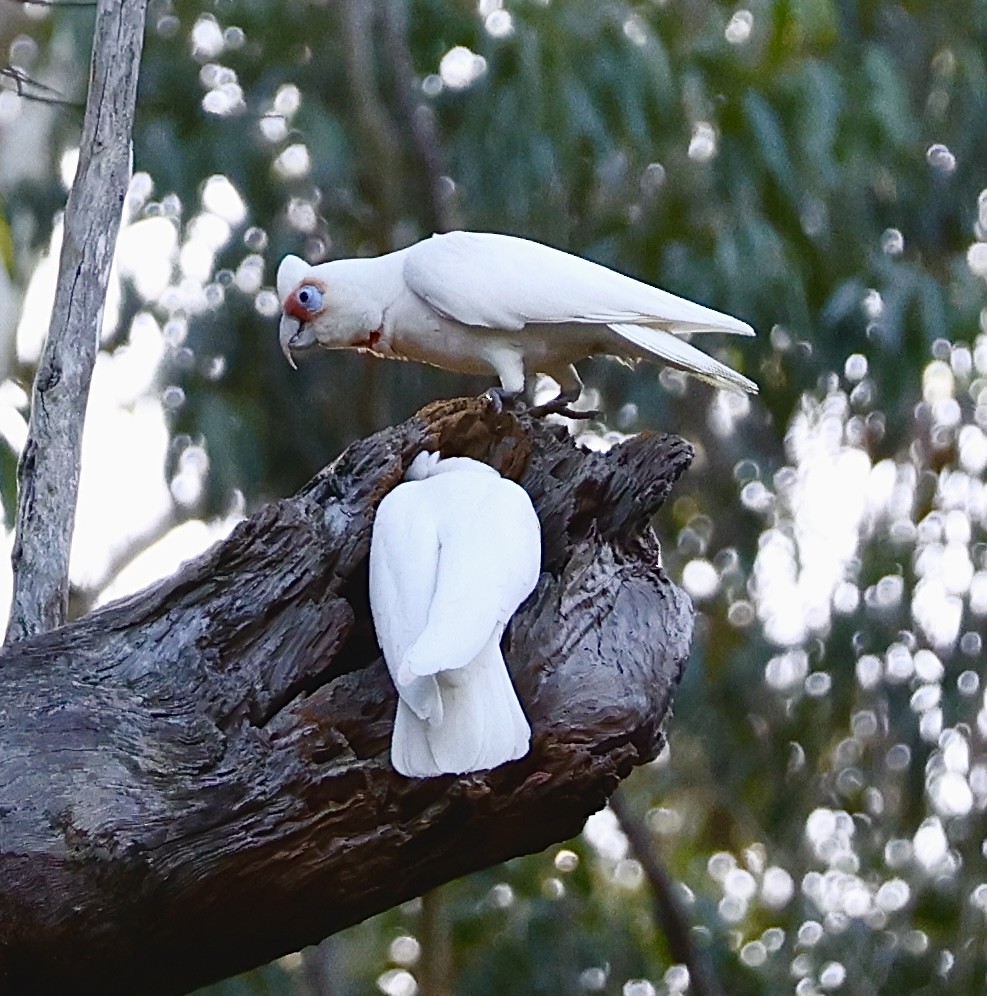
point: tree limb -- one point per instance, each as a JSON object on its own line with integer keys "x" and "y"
{"x": 48, "y": 473}
{"x": 669, "y": 911}
{"x": 197, "y": 781}
{"x": 24, "y": 86}
{"x": 377, "y": 131}
{"x": 418, "y": 119}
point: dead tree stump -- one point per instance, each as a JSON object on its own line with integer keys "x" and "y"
{"x": 195, "y": 780}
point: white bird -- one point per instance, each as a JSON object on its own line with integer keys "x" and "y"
{"x": 454, "y": 551}
{"x": 495, "y": 304}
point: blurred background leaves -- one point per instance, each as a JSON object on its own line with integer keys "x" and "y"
{"x": 816, "y": 168}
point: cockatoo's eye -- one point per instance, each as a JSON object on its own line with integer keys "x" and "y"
{"x": 310, "y": 298}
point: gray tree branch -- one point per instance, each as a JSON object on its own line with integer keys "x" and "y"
{"x": 669, "y": 911}
{"x": 419, "y": 119}
{"x": 48, "y": 473}
{"x": 377, "y": 130}
{"x": 197, "y": 780}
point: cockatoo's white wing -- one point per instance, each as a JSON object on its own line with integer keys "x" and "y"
{"x": 404, "y": 556}
{"x": 490, "y": 543}
{"x": 503, "y": 282}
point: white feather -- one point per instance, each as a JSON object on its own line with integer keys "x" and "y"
{"x": 454, "y": 551}
{"x": 503, "y": 282}
{"x": 291, "y": 272}
{"x": 482, "y": 726}
{"x": 680, "y": 354}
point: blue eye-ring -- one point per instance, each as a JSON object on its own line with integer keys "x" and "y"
{"x": 309, "y": 297}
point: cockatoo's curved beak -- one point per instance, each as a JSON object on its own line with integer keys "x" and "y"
{"x": 294, "y": 335}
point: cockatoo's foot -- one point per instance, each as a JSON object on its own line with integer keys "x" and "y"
{"x": 560, "y": 406}
{"x": 503, "y": 400}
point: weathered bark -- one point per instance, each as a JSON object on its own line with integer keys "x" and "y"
{"x": 48, "y": 473}
{"x": 197, "y": 779}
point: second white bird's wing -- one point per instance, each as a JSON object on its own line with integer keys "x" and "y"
{"x": 505, "y": 283}
{"x": 404, "y": 558}
{"x": 489, "y": 562}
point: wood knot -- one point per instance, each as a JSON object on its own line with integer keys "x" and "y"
{"x": 471, "y": 427}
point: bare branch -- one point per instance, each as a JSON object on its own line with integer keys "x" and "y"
{"x": 670, "y": 915}
{"x": 419, "y": 119}
{"x": 376, "y": 128}
{"x": 48, "y": 473}
{"x": 23, "y": 85}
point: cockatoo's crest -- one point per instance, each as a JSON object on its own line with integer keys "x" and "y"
{"x": 291, "y": 272}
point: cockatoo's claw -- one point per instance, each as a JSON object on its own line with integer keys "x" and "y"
{"x": 503, "y": 400}
{"x": 560, "y": 406}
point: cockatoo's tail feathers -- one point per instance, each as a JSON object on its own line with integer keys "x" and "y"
{"x": 483, "y": 724}
{"x": 726, "y": 323}
{"x": 684, "y": 356}
{"x": 411, "y": 754}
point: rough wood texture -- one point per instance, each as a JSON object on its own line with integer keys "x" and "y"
{"x": 48, "y": 474}
{"x": 197, "y": 779}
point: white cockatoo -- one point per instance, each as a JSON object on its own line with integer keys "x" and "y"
{"x": 455, "y": 549}
{"x": 495, "y": 304}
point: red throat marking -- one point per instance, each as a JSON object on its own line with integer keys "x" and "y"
{"x": 371, "y": 341}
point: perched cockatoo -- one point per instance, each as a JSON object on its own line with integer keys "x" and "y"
{"x": 495, "y": 304}
{"x": 455, "y": 549}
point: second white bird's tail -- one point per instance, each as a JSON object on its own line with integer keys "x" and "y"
{"x": 481, "y": 726}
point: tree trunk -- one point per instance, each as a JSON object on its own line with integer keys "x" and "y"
{"x": 195, "y": 780}
{"x": 48, "y": 470}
